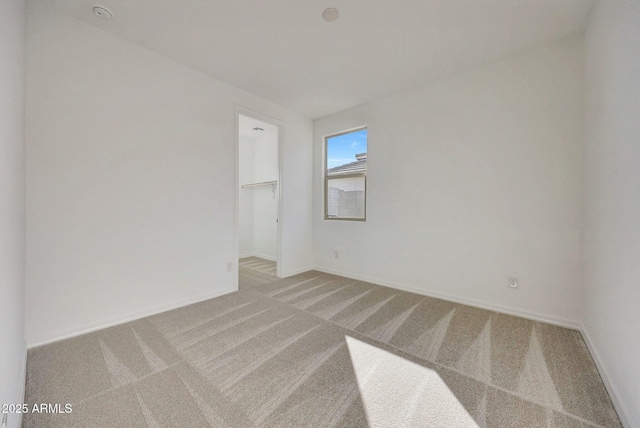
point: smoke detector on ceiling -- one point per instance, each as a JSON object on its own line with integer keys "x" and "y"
{"x": 330, "y": 14}
{"x": 102, "y": 13}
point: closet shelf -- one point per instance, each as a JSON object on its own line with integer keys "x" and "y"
{"x": 264, "y": 183}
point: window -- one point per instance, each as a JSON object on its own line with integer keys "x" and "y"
{"x": 346, "y": 176}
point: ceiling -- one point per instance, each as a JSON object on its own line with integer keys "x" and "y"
{"x": 283, "y": 50}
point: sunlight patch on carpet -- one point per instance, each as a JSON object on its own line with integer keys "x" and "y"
{"x": 397, "y": 392}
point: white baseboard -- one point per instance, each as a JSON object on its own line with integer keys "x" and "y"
{"x": 58, "y": 336}
{"x": 23, "y": 383}
{"x": 262, "y": 256}
{"x": 623, "y": 413}
{"x": 549, "y": 319}
{"x": 296, "y": 272}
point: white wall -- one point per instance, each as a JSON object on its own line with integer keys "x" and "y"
{"x": 471, "y": 179}
{"x": 131, "y": 180}
{"x": 265, "y": 205}
{"x": 12, "y": 203}
{"x": 611, "y": 242}
{"x": 258, "y": 206}
{"x": 246, "y": 158}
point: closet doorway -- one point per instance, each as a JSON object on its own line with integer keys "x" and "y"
{"x": 258, "y": 195}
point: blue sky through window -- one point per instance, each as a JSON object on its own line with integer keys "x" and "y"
{"x": 343, "y": 148}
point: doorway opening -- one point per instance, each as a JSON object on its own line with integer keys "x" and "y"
{"x": 258, "y": 230}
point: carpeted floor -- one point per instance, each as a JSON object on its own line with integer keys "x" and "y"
{"x": 257, "y": 268}
{"x": 317, "y": 350}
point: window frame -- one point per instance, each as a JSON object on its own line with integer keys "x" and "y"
{"x": 327, "y": 178}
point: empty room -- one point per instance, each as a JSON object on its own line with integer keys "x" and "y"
{"x": 356, "y": 213}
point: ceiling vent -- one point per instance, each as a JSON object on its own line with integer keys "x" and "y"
{"x": 102, "y": 13}
{"x": 330, "y": 14}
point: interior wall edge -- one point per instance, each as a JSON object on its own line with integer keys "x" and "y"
{"x": 623, "y": 412}
{"x": 296, "y": 272}
{"x": 535, "y": 316}
{"x": 68, "y": 334}
{"x": 264, "y": 256}
{"x": 23, "y": 378}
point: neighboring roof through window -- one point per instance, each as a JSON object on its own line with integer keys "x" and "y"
{"x": 357, "y": 167}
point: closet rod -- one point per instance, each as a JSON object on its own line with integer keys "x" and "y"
{"x": 264, "y": 183}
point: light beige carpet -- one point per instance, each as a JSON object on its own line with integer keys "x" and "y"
{"x": 317, "y": 350}
{"x": 255, "y": 266}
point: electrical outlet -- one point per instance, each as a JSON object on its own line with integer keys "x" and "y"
{"x": 229, "y": 266}
{"x": 336, "y": 255}
{"x": 513, "y": 282}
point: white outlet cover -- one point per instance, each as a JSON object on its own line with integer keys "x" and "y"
{"x": 513, "y": 282}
